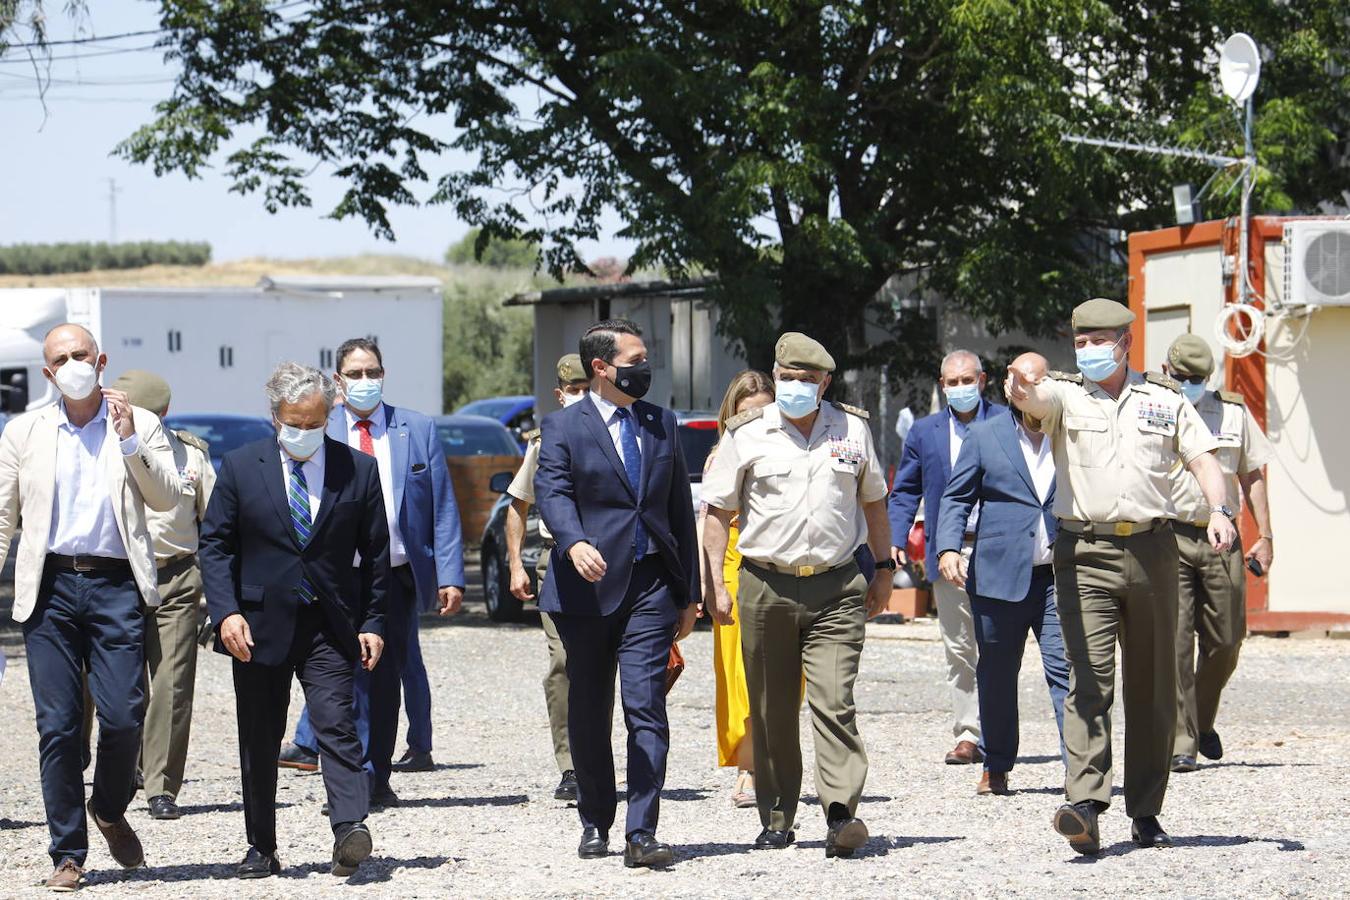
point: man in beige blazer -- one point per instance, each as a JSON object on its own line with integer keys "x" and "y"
{"x": 77, "y": 478}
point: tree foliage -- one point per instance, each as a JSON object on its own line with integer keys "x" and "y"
{"x": 496, "y": 253}
{"x": 489, "y": 348}
{"x": 52, "y": 259}
{"x": 806, "y": 152}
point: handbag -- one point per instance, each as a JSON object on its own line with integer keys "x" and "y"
{"x": 674, "y": 666}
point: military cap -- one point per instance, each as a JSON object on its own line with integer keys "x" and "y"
{"x": 795, "y": 350}
{"x": 570, "y": 369}
{"x": 1189, "y": 356}
{"x": 144, "y": 389}
{"x": 1099, "y": 313}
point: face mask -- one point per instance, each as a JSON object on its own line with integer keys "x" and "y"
{"x": 1193, "y": 392}
{"x": 301, "y": 443}
{"x": 570, "y": 399}
{"x": 76, "y": 379}
{"x": 634, "y": 380}
{"x": 364, "y": 393}
{"x": 963, "y": 398}
{"x": 1097, "y": 363}
{"x": 797, "y": 399}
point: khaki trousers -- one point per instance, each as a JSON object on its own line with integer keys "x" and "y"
{"x": 815, "y": 626}
{"x": 1211, "y": 605}
{"x": 957, "y": 625}
{"x": 555, "y": 681}
{"x": 171, "y": 656}
{"x": 1122, "y": 589}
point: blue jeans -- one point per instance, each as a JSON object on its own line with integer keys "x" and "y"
{"x": 1001, "y": 634}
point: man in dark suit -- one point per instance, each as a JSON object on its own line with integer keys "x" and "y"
{"x": 925, "y": 468}
{"x": 284, "y": 524}
{"x": 1009, "y": 472}
{"x": 613, "y": 489}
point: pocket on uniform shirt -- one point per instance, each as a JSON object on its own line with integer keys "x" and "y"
{"x": 770, "y": 482}
{"x": 1088, "y": 435}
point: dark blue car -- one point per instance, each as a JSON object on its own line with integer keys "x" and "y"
{"x": 223, "y": 431}
{"x": 516, "y": 412}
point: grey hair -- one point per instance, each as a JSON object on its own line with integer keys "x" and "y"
{"x": 292, "y": 382}
{"x": 958, "y": 355}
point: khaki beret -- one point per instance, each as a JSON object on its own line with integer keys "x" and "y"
{"x": 144, "y": 389}
{"x": 1098, "y": 314}
{"x": 795, "y": 350}
{"x": 1189, "y": 356}
{"x": 570, "y": 369}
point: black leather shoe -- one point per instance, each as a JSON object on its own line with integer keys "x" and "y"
{"x": 1210, "y": 745}
{"x": 594, "y": 844}
{"x": 844, "y": 836}
{"x": 163, "y": 807}
{"x": 774, "y": 840}
{"x": 414, "y": 761}
{"x": 1184, "y": 763}
{"x": 1148, "y": 833}
{"x": 382, "y": 799}
{"x": 351, "y": 847}
{"x": 1078, "y": 823}
{"x": 257, "y": 864}
{"x": 644, "y": 850}
{"x": 567, "y": 788}
{"x": 293, "y": 756}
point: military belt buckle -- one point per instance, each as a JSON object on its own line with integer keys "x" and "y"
{"x": 1124, "y": 529}
{"x": 805, "y": 571}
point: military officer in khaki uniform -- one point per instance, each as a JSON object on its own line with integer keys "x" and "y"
{"x": 1212, "y": 594}
{"x": 573, "y": 384}
{"x": 809, "y": 489}
{"x": 1116, "y": 435}
{"x": 171, "y": 627}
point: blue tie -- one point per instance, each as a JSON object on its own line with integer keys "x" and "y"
{"x": 632, "y": 464}
{"x": 297, "y": 494}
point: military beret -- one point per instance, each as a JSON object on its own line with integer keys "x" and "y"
{"x": 1097, "y": 314}
{"x": 1189, "y": 356}
{"x": 570, "y": 369}
{"x": 795, "y": 350}
{"x": 144, "y": 389}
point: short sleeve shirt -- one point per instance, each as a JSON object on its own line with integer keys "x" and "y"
{"x": 175, "y": 531}
{"x": 1243, "y": 448}
{"x": 522, "y": 486}
{"x": 799, "y": 499}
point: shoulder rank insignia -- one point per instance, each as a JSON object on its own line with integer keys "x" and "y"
{"x": 1162, "y": 381}
{"x": 1232, "y": 397}
{"x": 1074, "y": 377}
{"x": 532, "y": 435}
{"x": 192, "y": 440}
{"x": 740, "y": 419}
{"x": 852, "y": 410}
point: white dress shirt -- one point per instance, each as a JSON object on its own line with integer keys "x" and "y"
{"x": 83, "y": 520}
{"x": 609, "y": 415}
{"x": 379, "y": 437}
{"x": 312, "y": 469}
{"x": 1041, "y": 464}
{"x": 957, "y": 431}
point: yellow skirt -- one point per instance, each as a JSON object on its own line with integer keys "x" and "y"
{"x": 733, "y": 698}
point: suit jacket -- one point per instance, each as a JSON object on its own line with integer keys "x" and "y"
{"x": 583, "y": 494}
{"x": 252, "y": 563}
{"x": 428, "y": 517}
{"x": 925, "y": 468}
{"x": 146, "y": 478}
{"x": 992, "y": 472}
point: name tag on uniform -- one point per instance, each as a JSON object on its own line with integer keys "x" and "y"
{"x": 1157, "y": 418}
{"x": 187, "y": 477}
{"x": 1227, "y": 438}
{"x": 845, "y": 450}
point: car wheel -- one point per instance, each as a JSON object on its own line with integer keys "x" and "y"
{"x": 502, "y": 605}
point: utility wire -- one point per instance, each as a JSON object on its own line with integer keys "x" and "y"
{"x": 94, "y": 39}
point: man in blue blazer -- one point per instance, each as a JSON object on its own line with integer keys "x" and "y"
{"x": 925, "y": 468}
{"x": 425, "y": 554}
{"x": 622, "y": 582}
{"x": 1009, "y": 473}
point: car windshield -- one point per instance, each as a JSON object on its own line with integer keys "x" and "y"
{"x": 696, "y": 439}
{"x": 223, "y": 435}
{"x": 493, "y": 409}
{"x": 471, "y": 439}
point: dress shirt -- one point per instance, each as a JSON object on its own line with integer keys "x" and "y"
{"x": 958, "y": 431}
{"x": 313, "y": 471}
{"x": 609, "y": 415}
{"x": 1041, "y": 464}
{"x": 379, "y": 437}
{"x": 83, "y": 520}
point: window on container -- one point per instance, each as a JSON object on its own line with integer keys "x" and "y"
{"x": 326, "y": 358}
{"x": 226, "y": 357}
{"x": 175, "y": 340}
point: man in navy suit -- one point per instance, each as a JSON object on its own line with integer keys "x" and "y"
{"x": 287, "y": 517}
{"x": 926, "y": 464}
{"x": 622, "y": 582}
{"x": 1009, "y": 472}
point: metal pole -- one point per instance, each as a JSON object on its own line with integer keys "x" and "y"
{"x": 1248, "y": 174}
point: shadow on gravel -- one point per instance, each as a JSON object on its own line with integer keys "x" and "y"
{"x": 375, "y": 869}
{"x": 880, "y": 845}
{"x": 1116, "y": 791}
{"x": 812, "y": 800}
{"x": 699, "y": 851}
{"x": 1198, "y": 841}
{"x": 15, "y": 824}
{"x": 682, "y": 794}
{"x": 1253, "y": 765}
{"x": 1029, "y": 760}
{"x": 204, "y": 808}
{"x": 506, "y": 800}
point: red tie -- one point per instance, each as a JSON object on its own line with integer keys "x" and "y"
{"x": 367, "y": 445}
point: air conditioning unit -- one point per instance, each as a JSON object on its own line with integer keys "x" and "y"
{"x": 1317, "y": 263}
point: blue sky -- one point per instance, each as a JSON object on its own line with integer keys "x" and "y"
{"x": 57, "y": 163}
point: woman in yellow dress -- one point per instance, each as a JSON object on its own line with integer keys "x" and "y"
{"x": 748, "y": 390}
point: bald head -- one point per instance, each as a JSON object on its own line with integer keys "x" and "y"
{"x": 67, "y": 342}
{"x": 1032, "y": 365}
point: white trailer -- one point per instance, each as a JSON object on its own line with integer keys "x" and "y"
{"x": 216, "y": 346}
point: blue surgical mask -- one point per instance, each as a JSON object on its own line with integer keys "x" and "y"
{"x": 301, "y": 443}
{"x": 364, "y": 393}
{"x": 963, "y": 398}
{"x": 797, "y": 399}
{"x": 1097, "y": 362}
{"x": 1193, "y": 392}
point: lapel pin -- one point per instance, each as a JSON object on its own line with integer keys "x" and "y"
{"x": 650, "y": 418}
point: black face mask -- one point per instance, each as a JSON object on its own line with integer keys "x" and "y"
{"x": 634, "y": 380}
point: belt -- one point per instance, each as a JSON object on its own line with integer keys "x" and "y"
{"x": 1110, "y": 529}
{"x": 549, "y": 543}
{"x": 163, "y": 564}
{"x": 87, "y": 563}
{"x": 798, "y": 571}
{"x": 968, "y": 536}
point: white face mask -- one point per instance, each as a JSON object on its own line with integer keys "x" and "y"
{"x": 569, "y": 399}
{"x": 301, "y": 443}
{"x": 76, "y": 380}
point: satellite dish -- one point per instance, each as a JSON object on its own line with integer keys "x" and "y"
{"x": 1239, "y": 67}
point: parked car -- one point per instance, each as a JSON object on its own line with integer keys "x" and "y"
{"x": 516, "y": 412}
{"x": 474, "y": 435}
{"x": 223, "y": 431}
{"x": 698, "y": 434}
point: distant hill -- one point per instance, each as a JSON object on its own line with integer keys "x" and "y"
{"x": 246, "y": 272}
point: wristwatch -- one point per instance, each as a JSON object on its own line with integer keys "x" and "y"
{"x": 886, "y": 564}
{"x": 1228, "y": 513}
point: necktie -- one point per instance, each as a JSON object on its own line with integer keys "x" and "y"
{"x": 367, "y": 445}
{"x": 297, "y": 495}
{"x": 632, "y": 464}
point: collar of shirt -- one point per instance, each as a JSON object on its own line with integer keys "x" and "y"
{"x": 309, "y": 466}
{"x": 99, "y": 418}
{"x": 607, "y": 408}
{"x": 962, "y": 427}
{"x": 826, "y": 415}
{"x": 1132, "y": 380}
{"x": 377, "y": 421}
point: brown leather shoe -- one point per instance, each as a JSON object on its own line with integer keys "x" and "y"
{"x": 66, "y": 878}
{"x": 123, "y": 844}
{"x": 993, "y": 783}
{"x": 963, "y": 754}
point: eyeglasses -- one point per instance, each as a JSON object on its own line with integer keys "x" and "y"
{"x": 358, "y": 374}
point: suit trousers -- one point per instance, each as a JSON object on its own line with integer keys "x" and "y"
{"x": 171, "y": 657}
{"x": 1122, "y": 589}
{"x": 1211, "y": 606}
{"x": 1001, "y": 631}
{"x": 82, "y": 620}
{"x": 262, "y": 694}
{"x": 958, "y": 641}
{"x": 635, "y": 639}
{"x": 377, "y": 700}
{"x": 416, "y": 688}
{"x": 791, "y": 626}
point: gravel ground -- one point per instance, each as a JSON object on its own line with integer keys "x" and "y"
{"x": 1269, "y": 820}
